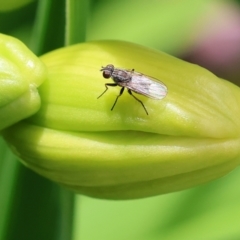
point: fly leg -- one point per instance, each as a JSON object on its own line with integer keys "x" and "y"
{"x": 121, "y": 92}
{"x": 130, "y": 92}
{"x": 106, "y": 85}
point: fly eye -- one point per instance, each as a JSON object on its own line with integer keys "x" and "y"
{"x": 106, "y": 74}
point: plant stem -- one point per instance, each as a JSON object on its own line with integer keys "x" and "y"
{"x": 9, "y": 169}
{"x": 48, "y": 31}
{"x": 39, "y": 29}
{"x": 76, "y": 21}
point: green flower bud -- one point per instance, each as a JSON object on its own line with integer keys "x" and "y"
{"x": 190, "y": 137}
{"x": 21, "y": 72}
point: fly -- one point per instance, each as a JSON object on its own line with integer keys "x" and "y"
{"x": 133, "y": 81}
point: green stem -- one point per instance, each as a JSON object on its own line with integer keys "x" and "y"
{"x": 76, "y": 21}
{"x": 9, "y": 169}
{"x": 40, "y": 26}
{"x": 48, "y": 31}
{"x": 65, "y": 221}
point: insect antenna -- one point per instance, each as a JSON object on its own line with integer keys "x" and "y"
{"x": 130, "y": 92}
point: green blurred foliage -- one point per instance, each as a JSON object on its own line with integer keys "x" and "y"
{"x": 10, "y": 5}
{"x": 164, "y": 25}
{"x": 18, "y": 18}
{"x": 32, "y": 207}
{"x": 210, "y": 212}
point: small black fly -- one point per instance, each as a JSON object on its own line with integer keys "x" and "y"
{"x": 133, "y": 81}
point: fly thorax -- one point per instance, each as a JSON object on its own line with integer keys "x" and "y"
{"x": 121, "y": 76}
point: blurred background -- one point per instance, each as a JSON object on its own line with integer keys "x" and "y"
{"x": 203, "y": 32}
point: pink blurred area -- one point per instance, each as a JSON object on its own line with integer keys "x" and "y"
{"x": 218, "y": 44}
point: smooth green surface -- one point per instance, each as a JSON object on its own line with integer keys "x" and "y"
{"x": 119, "y": 170}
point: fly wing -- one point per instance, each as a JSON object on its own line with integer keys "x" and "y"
{"x": 147, "y": 86}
